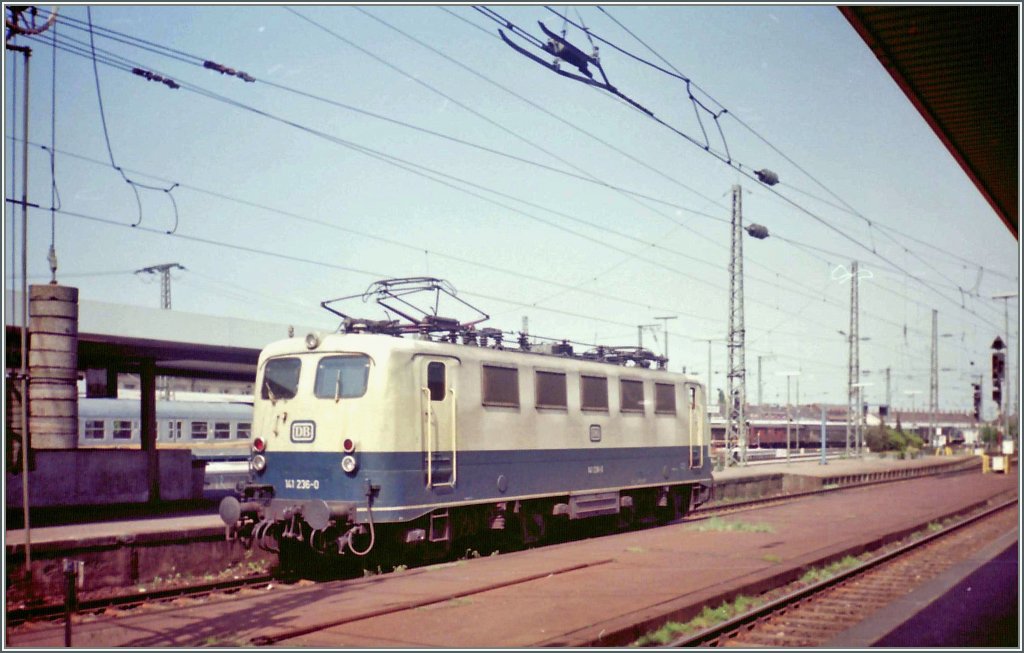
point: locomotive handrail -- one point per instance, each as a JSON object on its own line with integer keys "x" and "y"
{"x": 425, "y": 393}
{"x": 455, "y": 431}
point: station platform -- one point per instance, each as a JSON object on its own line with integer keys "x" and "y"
{"x": 605, "y": 591}
{"x": 126, "y": 552}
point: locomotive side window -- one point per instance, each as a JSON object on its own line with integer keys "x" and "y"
{"x": 631, "y": 396}
{"x": 436, "y": 381}
{"x": 243, "y": 430}
{"x": 281, "y": 378}
{"x": 200, "y": 430}
{"x": 664, "y": 399}
{"x": 594, "y": 393}
{"x": 693, "y": 398}
{"x": 122, "y": 429}
{"x": 222, "y": 430}
{"x": 501, "y": 386}
{"x": 340, "y": 377}
{"x": 93, "y": 430}
{"x": 551, "y": 392}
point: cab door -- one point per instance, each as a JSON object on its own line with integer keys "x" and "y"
{"x": 438, "y": 423}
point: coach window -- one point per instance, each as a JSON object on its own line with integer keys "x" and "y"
{"x": 500, "y": 386}
{"x": 174, "y": 429}
{"x": 631, "y": 396}
{"x": 122, "y": 429}
{"x": 243, "y": 430}
{"x": 436, "y": 381}
{"x": 551, "y": 391}
{"x": 221, "y": 430}
{"x": 280, "y": 378}
{"x": 341, "y": 377}
{"x": 664, "y": 399}
{"x": 93, "y": 429}
{"x": 200, "y": 430}
{"x": 594, "y": 393}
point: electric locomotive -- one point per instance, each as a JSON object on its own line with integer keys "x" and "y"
{"x": 411, "y": 434}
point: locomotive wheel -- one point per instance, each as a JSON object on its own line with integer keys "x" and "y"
{"x": 532, "y": 527}
{"x": 626, "y": 519}
{"x": 291, "y": 558}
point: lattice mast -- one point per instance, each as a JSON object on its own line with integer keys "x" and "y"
{"x": 736, "y": 432}
{"x": 854, "y": 406}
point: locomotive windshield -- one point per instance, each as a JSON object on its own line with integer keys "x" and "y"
{"x": 280, "y": 378}
{"x": 340, "y": 377}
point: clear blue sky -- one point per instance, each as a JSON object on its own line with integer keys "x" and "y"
{"x": 273, "y": 218}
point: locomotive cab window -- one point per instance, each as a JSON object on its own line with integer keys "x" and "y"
{"x": 693, "y": 397}
{"x": 500, "y": 386}
{"x": 594, "y": 393}
{"x": 551, "y": 392}
{"x": 631, "y": 396}
{"x": 280, "y": 378}
{"x": 664, "y": 399}
{"x": 436, "y": 381}
{"x": 341, "y": 377}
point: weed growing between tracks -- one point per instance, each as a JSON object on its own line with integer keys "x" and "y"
{"x": 707, "y": 618}
{"x": 719, "y": 524}
{"x": 710, "y": 617}
{"x": 818, "y": 574}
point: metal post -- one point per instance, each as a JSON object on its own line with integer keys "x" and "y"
{"x": 736, "y": 429}
{"x": 853, "y": 399}
{"x": 789, "y": 419}
{"x": 824, "y": 459}
{"x": 709, "y": 369}
{"x": 933, "y": 394}
{"x": 25, "y": 440}
{"x": 664, "y": 320}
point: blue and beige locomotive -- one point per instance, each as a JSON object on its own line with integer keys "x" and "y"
{"x": 410, "y": 435}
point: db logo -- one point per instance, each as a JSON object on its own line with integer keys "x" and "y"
{"x": 304, "y": 431}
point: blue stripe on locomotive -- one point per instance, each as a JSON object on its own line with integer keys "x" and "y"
{"x": 401, "y": 476}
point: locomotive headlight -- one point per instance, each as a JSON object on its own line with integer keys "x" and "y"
{"x": 348, "y": 464}
{"x": 312, "y": 340}
{"x": 259, "y": 463}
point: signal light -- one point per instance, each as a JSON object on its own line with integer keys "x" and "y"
{"x": 349, "y": 445}
{"x": 258, "y": 445}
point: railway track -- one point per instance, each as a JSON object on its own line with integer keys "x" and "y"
{"x": 206, "y": 621}
{"x": 130, "y": 600}
{"x": 814, "y": 614}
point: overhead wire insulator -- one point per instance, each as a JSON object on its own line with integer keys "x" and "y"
{"x": 767, "y": 177}
{"x": 225, "y": 70}
{"x": 758, "y": 231}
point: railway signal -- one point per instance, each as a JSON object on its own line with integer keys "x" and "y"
{"x": 998, "y": 370}
{"x": 977, "y": 401}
